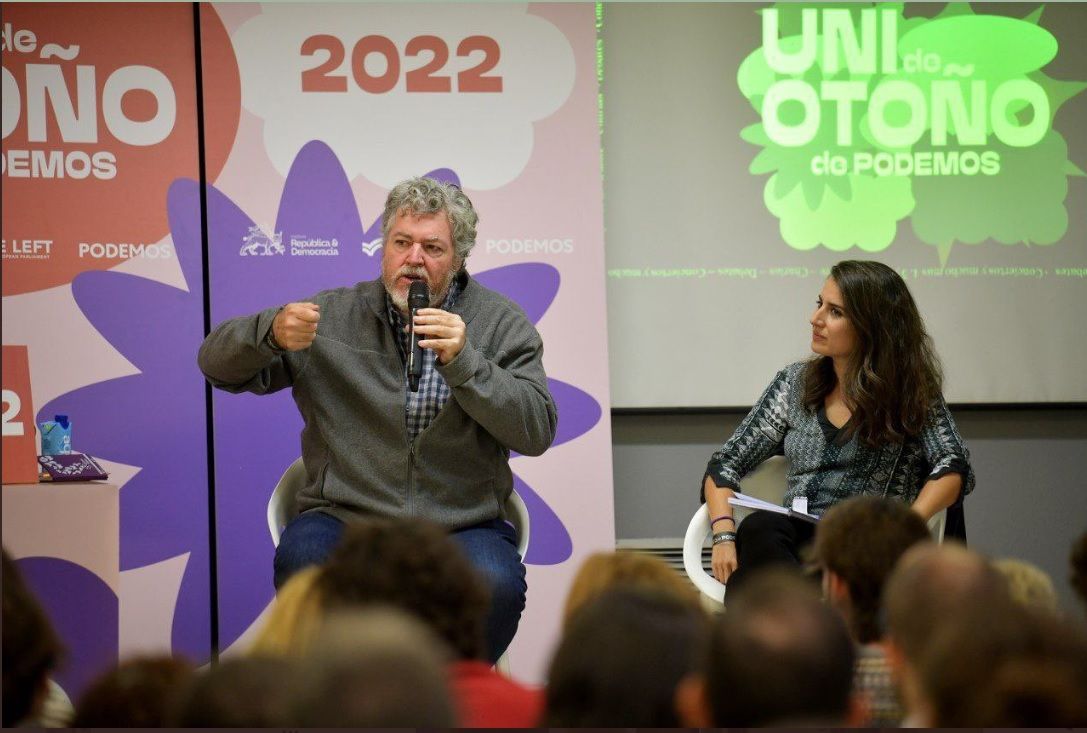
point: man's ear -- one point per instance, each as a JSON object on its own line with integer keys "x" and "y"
{"x": 692, "y": 707}
{"x": 836, "y": 588}
{"x": 859, "y": 708}
{"x": 896, "y": 660}
{"x": 905, "y": 679}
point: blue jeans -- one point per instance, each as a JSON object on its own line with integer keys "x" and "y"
{"x": 490, "y": 546}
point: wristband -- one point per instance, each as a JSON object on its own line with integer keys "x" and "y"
{"x": 270, "y": 341}
{"x": 720, "y": 537}
{"x": 721, "y": 518}
{"x": 270, "y": 337}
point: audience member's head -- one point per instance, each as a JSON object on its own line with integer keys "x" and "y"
{"x": 931, "y": 585}
{"x": 604, "y": 571}
{"x": 376, "y": 668}
{"x": 778, "y": 656}
{"x": 621, "y": 658}
{"x": 31, "y": 648}
{"x": 1028, "y": 584}
{"x": 1078, "y": 561}
{"x": 416, "y": 567}
{"x": 1005, "y": 666}
{"x": 243, "y": 692}
{"x": 138, "y": 693}
{"x": 857, "y": 544}
{"x": 295, "y": 617}
{"x": 928, "y": 585}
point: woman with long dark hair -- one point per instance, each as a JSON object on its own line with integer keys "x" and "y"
{"x": 865, "y": 415}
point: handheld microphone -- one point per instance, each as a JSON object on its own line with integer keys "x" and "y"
{"x": 418, "y": 297}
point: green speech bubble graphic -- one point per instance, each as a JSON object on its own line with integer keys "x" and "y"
{"x": 869, "y": 118}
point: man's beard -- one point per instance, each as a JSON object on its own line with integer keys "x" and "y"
{"x": 437, "y": 295}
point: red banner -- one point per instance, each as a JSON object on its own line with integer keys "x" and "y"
{"x": 97, "y": 124}
{"x": 20, "y": 459}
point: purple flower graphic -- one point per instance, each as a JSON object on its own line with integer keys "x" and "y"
{"x": 156, "y": 419}
{"x": 83, "y": 611}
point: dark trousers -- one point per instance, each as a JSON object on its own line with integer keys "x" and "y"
{"x": 765, "y": 540}
{"x": 490, "y": 546}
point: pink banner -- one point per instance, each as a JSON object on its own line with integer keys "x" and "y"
{"x": 103, "y": 248}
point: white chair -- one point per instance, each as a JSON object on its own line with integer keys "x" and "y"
{"x": 767, "y": 482}
{"x": 517, "y": 515}
{"x": 281, "y": 510}
{"x": 281, "y": 504}
{"x": 936, "y": 525}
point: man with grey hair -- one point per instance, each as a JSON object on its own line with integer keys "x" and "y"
{"x": 372, "y": 447}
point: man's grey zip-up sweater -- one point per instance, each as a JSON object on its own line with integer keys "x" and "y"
{"x": 349, "y": 386}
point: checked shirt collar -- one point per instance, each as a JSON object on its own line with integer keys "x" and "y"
{"x": 420, "y": 408}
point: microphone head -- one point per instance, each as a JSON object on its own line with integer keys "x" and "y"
{"x": 418, "y": 295}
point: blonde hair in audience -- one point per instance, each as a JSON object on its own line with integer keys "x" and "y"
{"x": 603, "y": 571}
{"x": 295, "y": 618}
{"x": 1028, "y": 583}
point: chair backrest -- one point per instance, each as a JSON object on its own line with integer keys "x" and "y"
{"x": 936, "y": 525}
{"x": 282, "y": 506}
{"x": 768, "y": 481}
{"x": 517, "y": 515}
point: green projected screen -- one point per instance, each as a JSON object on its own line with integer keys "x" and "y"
{"x": 747, "y": 148}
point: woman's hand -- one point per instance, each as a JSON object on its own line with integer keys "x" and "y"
{"x": 724, "y": 560}
{"x": 724, "y": 554}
